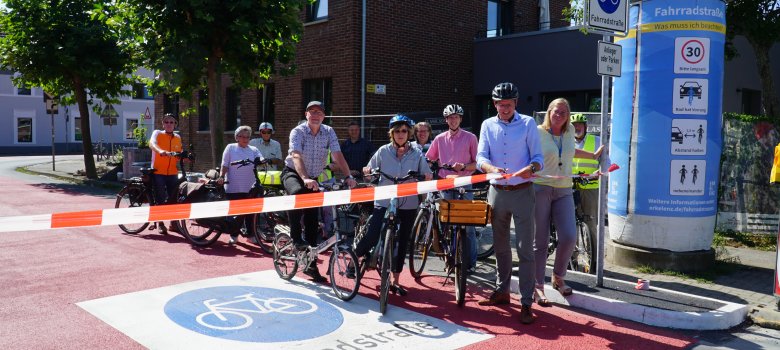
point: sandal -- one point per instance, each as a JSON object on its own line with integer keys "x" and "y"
{"x": 559, "y": 285}
{"x": 396, "y": 289}
{"x": 539, "y": 296}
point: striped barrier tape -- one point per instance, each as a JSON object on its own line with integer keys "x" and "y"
{"x": 116, "y": 216}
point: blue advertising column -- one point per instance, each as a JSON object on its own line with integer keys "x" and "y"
{"x": 666, "y": 126}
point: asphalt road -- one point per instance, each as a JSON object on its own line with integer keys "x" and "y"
{"x": 46, "y": 275}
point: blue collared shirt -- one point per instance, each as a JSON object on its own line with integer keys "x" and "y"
{"x": 314, "y": 148}
{"x": 513, "y": 145}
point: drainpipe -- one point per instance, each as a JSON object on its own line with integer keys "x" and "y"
{"x": 363, "y": 73}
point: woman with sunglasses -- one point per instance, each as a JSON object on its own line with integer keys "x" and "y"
{"x": 395, "y": 159}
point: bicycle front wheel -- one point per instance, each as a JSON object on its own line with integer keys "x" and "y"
{"x": 585, "y": 249}
{"x": 199, "y": 234}
{"x": 133, "y": 196}
{"x": 421, "y": 243}
{"x": 262, "y": 230}
{"x": 461, "y": 259}
{"x": 344, "y": 273}
{"x": 285, "y": 256}
{"x": 387, "y": 259}
{"x": 484, "y": 242}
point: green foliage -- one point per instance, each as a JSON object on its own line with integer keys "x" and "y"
{"x": 139, "y": 134}
{"x": 747, "y": 118}
{"x": 65, "y": 48}
{"x": 759, "y": 241}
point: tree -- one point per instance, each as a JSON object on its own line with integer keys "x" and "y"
{"x": 191, "y": 43}
{"x": 759, "y": 22}
{"x": 63, "y": 47}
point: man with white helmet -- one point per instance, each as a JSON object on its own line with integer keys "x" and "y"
{"x": 458, "y": 148}
{"x": 271, "y": 149}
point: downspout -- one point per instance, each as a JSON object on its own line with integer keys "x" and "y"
{"x": 363, "y": 73}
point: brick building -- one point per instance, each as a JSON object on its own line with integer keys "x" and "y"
{"x": 418, "y": 59}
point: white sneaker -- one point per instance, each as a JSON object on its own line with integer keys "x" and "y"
{"x": 232, "y": 240}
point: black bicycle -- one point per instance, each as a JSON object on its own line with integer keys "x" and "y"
{"x": 140, "y": 192}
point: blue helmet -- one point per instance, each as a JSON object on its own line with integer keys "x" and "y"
{"x": 400, "y": 118}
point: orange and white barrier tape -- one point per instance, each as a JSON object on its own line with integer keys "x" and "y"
{"x": 106, "y": 217}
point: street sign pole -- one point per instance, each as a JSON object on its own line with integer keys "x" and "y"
{"x": 609, "y": 18}
{"x": 53, "y": 168}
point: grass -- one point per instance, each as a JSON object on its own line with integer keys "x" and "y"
{"x": 719, "y": 268}
{"x": 731, "y": 238}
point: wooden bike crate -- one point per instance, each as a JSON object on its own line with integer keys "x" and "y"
{"x": 463, "y": 212}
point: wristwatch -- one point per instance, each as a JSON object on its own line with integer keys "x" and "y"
{"x": 534, "y": 169}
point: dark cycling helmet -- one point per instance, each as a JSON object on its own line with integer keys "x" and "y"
{"x": 578, "y": 118}
{"x": 505, "y": 91}
{"x": 400, "y": 118}
{"x": 452, "y": 109}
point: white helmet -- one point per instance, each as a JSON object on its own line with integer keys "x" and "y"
{"x": 265, "y": 125}
{"x": 452, "y": 109}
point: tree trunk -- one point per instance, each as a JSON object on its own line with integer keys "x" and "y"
{"x": 768, "y": 97}
{"x": 86, "y": 135}
{"x": 216, "y": 120}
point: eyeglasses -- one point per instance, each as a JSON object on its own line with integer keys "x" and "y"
{"x": 169, "y": 122}
{"x": 316, "y": 112}
{"x": 401, "y": 131}
{"x": 423, "y": 130}
{"x": 264, "y": 132}
{"x": 242, "y": 137}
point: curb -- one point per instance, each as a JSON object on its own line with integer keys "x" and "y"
{"x": 765, "y": 318}
{"x": 86, "y": 182}
{"x": 726, "y": 317}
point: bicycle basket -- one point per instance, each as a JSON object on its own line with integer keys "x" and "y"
{"x": 271, "y": 177}
{"x": 463, "y": 212}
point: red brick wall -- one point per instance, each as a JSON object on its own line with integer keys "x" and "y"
{"x": 420, "y": 50}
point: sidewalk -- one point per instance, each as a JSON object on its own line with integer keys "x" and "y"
{"x": 742, "y": 290}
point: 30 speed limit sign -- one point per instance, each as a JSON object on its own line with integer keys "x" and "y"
{"x": 692, "y": 55}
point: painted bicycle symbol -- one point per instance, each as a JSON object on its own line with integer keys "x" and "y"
{"x": 236, "y": 314}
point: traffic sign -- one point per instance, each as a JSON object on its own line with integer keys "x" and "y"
{"x": 51, "y": 102}
{"x": 147, "y": 115}
{"x": 609, "y": 15}
{"x": 692, "y": 55}
{"x": 609, "y": 57}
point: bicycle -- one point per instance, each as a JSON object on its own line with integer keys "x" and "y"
{"x": 224, "y": 316}
{"x": 140, "y": 191}
{"x": 342, "y": 263}
{"x": 381, "y": 255}
{"x": 450, "y": 217}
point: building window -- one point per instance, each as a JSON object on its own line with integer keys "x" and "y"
{"x": 140, "y": 92}
{"x": 751, "y": 102}
{"x": 203, "y": 110}
{"x": 317, "y": 10}
{"x": 24, "y": 91}
{"x": 233, "y": 105}
{"x": 130, "y": 125}
{"x": 24, "y": 130}
{"x": 77, "y": 129}
{"x": 171, "y": 104}
{"x": 267, "y": 103}
{"x": 318, "y": 90}
{"x": 499, "y": 18}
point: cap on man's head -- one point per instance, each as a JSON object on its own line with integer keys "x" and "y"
{"x": 315, "y": 104}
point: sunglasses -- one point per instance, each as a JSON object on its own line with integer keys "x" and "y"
{"x": 401, "y": 131}
{"x": 266, "y": 132}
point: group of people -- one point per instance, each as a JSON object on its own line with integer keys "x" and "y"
{"x": 537, "y": 162}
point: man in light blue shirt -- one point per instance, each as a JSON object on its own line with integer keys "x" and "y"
{"x": 509, "y": 143}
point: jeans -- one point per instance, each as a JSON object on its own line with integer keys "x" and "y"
{"x": 405, "y": 217}
{"x": 166, "y": 188}
{"x": 293, "y": 184}
{"x": 556, "y": 205}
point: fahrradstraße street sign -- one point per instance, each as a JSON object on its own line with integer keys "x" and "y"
{"x": 608, "y": 15}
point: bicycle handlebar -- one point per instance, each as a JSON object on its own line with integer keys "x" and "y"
{"x": 244, "y": 162}
{"x": 377, "y": 173}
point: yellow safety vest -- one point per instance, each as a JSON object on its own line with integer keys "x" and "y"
{"x": 587, "y": 166}
{"x": 774, "y": 176}
{"x": 326, "y": 174}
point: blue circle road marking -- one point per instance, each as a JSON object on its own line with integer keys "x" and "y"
{"x": 253, "y": 314}
{"x": 609, "y": 6}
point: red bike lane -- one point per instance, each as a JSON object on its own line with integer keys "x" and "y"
{"x": 46, "y": 273}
